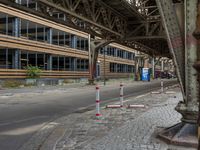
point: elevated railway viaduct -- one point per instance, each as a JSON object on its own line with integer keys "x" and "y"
{"x": 165, "y": 28}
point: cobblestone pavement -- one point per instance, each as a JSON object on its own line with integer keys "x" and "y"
{"x": 117, "y": 129}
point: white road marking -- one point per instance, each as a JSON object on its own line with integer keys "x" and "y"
{"x": 137, "y": 97}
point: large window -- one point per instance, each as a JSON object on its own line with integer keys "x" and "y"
{"x": 82, "y": 44}
{"x": 82, "y": 65}
{"x": 7, "y": 24}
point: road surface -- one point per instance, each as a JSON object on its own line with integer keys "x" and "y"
{"x": 22, "y": 116}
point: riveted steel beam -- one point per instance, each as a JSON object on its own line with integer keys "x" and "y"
{"x": 100, "y": 19}
{"x": 174, "y": 36}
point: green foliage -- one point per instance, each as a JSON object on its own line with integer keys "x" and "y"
{"x": 12, "y": 83}
{"x": 132, "y": 76}
{"x": 33, "y": 72}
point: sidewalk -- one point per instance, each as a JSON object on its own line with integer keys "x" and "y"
{"x": 118, "y": 129}
{"x": 37, "y": 90}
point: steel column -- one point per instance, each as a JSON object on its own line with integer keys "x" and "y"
{"x": 174, "y": 36}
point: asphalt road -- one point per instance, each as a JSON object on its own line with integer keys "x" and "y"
{"x": 22, "y": 116}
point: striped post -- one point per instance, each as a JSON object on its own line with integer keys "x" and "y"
{"x": 97, "y": 101}
{"x": 121, "y": 94}
{"x": 162, "y": 88}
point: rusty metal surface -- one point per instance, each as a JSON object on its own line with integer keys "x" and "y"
{"x": 175, "y": 39}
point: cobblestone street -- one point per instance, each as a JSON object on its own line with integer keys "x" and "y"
{"x": 118, "y": 129}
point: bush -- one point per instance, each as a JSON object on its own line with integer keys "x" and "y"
{"x": 33, "y": 72}
{"x": 11, "y": 83}
{"x": 67, "y": 81}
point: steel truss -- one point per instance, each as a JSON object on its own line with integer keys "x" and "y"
{"x": 136, "y": 24}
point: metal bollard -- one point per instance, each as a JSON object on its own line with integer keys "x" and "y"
{"x": 97, "y": 101}
{"x": 162, "y": 88}
{"x": 121, "y": 94}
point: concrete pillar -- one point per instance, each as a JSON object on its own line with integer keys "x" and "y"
{"x": 74, "y": 64}
{"x": 17, "y": 59}
{"x": 49, "y": 35}
{"x": 16, "y": 33}
{"x": 49, "y": 62}
{"x": 74, "y": 42}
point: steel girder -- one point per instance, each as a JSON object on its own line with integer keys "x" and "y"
{"x": 97, "y": 17}
{"x": 151, "y": 31}
{"x": 175, "y": 38}
{"x": 115, "y": 20}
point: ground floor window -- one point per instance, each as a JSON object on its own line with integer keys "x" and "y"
{"x": 121, "y": 68}
{"x": 6, "y": 58}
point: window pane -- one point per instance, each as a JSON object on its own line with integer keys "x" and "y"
{"x": 78, "y": 64}
{"x": 82, "y": 44}
{"x": 40, "y": 61}
{"x": 2, "y": 58}
{"x": 32, "y": 59}
{"x": 32, "y": 4}
{"x": 86, "y": 45}
{"x": 40, "y": 33}
{"x": 61, "y": 63}
{"x": 2, "y": 23}
{"x": 24, "y": 3}
{"x": 55, "y": 63}
{"x": 55, "y": 37}
{"x": 24, "y": 59}
{"x": 61, "y": 38}
{"x": 31, "y": 30}
{"x": 78, "y": 43}
{"x": 67, "y": 63}
{"x": 11, "y": 21}
{"x": 67, "y": 39}
{"x": 10, "y": 59}
{"x": 24, "y": 29}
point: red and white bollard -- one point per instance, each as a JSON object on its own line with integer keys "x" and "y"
{"x": 162, "y": 88}
{"x": 97, "y": 101}
{"x": 121, "y": 98}
{"x": 121, "y": 94}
